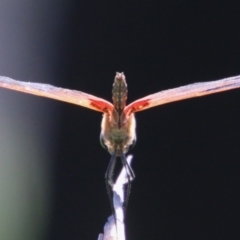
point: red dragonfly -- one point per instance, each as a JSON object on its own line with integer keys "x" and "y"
{"x": 118, "y": 123}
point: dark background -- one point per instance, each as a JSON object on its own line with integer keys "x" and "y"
{"x": 187, "y": 156}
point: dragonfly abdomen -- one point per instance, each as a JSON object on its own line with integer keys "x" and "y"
{"x": 119, "y": 92}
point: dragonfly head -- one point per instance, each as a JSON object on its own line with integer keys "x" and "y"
{"x": 117, "y": 148}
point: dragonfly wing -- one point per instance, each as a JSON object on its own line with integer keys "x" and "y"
{"x": 61, "y": 94}
{"x": 181, "y": 93}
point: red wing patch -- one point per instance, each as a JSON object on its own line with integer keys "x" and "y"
{"x": 137, "y": 106}
{"x": 102, "y": 106}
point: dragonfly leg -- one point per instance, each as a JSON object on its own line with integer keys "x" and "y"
{"x": 110, "y": 170}
{"x": 130, "y": 177}
{"x": 109, "y": 180}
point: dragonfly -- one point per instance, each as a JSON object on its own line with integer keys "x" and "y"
{"x": 118, "y": 127}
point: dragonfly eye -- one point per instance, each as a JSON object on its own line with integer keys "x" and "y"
{"x": 102, "y": 142}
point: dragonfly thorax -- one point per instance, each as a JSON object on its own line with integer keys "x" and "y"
{"x": 118, "y": 137}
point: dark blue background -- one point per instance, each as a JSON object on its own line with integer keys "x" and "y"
{"x": 187, "y": 156}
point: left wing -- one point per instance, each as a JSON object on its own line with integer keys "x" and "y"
{"x": 180, "y": 93}
{"x": 61, "y": 94}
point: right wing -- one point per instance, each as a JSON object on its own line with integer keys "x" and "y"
{"x": 181, "y": 93}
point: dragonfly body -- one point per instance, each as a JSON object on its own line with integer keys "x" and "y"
{"x": 118, "y": 139}
{"x": 118, "y": 129}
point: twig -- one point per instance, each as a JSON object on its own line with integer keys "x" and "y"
{"x": 111, "y": 231}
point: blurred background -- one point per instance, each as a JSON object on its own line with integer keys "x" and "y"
{"x": 187, "y": 155}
